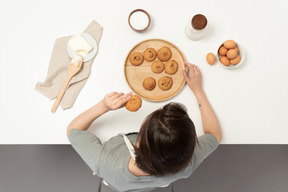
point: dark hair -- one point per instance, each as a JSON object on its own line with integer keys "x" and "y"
{"x": 166, "y": 141}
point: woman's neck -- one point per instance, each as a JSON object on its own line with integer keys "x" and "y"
{"x": 135, "y": 170}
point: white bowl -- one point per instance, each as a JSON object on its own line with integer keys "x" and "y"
{"x": 241, "y": 53}
{"x": 139, "y": 20}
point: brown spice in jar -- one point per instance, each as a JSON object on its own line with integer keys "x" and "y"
{"x": 199, "y": 22}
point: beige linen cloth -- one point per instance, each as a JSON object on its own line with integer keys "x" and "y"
{"x": 58, "y": 70}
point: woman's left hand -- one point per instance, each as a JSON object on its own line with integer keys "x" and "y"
{"x": 115, "y": 100}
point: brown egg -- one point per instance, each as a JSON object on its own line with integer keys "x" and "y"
{"x": 236, "y": 60}
{"x": 230, "y": 44}
{"x": 231, "y": 53}
{"x": 210, "y": 58}
{"x": 225, "y": 61}
{"x": 222, "y": 51}
{"x": 236, "y": 49}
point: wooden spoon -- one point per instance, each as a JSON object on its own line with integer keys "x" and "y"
{"x": 73, "y": 67}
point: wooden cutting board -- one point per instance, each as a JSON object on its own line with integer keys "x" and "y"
{"x": 135, "y": 75}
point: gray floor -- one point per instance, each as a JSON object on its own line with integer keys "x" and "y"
{"x": 57, "y": 168}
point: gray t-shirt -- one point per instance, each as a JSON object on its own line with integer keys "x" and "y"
{"x": 110, "y": 160}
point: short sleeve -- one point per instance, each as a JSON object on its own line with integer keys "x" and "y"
{"x": 207, "y": 144}
{"x": 87, "y": 145}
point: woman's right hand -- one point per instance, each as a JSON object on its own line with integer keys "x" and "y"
{"x": 115, "y": 100}
{"x": 193, "y": 78}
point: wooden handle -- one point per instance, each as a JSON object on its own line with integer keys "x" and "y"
{"x": 60, "y": 95}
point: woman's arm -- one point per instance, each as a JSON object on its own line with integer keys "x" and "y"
{"x": 209, "y": 119}
{"x": 111, "y": 101}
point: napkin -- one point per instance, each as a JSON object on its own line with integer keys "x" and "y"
{"x": 58, "y": 70}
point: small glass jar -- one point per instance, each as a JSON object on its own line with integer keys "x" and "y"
{"x": 196, "y": 27}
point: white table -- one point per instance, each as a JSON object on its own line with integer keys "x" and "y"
{"x": 250, "y": 101}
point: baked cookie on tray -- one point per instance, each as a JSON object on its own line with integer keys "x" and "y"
{"x": 165, "y": 83}
{"x": 157, "y": 66}
{"x": 164, "y": 53}
{"x": 150, "y": 54}
{"x": 149, "y": 83}
{"x": 171, "y": 67}
{"x": 136, "y": 58}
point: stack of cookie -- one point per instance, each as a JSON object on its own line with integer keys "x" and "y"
{"x": 163, "y": 54}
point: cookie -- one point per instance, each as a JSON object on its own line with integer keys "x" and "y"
{"x": 134, "y": 103}
{"x": 171, "y": 67}
{"x": 164, "y": 53}
{"x": 149, "y": 83}
{"x": 136, "y": 58}
{"x": 165, "y": 83}
{"x": 157, "y": 66}
{"x": 150, "y": 54}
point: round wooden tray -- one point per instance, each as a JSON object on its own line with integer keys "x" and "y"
{"x": 135, "y": 75}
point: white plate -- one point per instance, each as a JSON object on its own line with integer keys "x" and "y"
{"x": 91, "y": 41}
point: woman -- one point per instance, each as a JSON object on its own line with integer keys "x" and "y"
{"x": 165, "y": 149}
